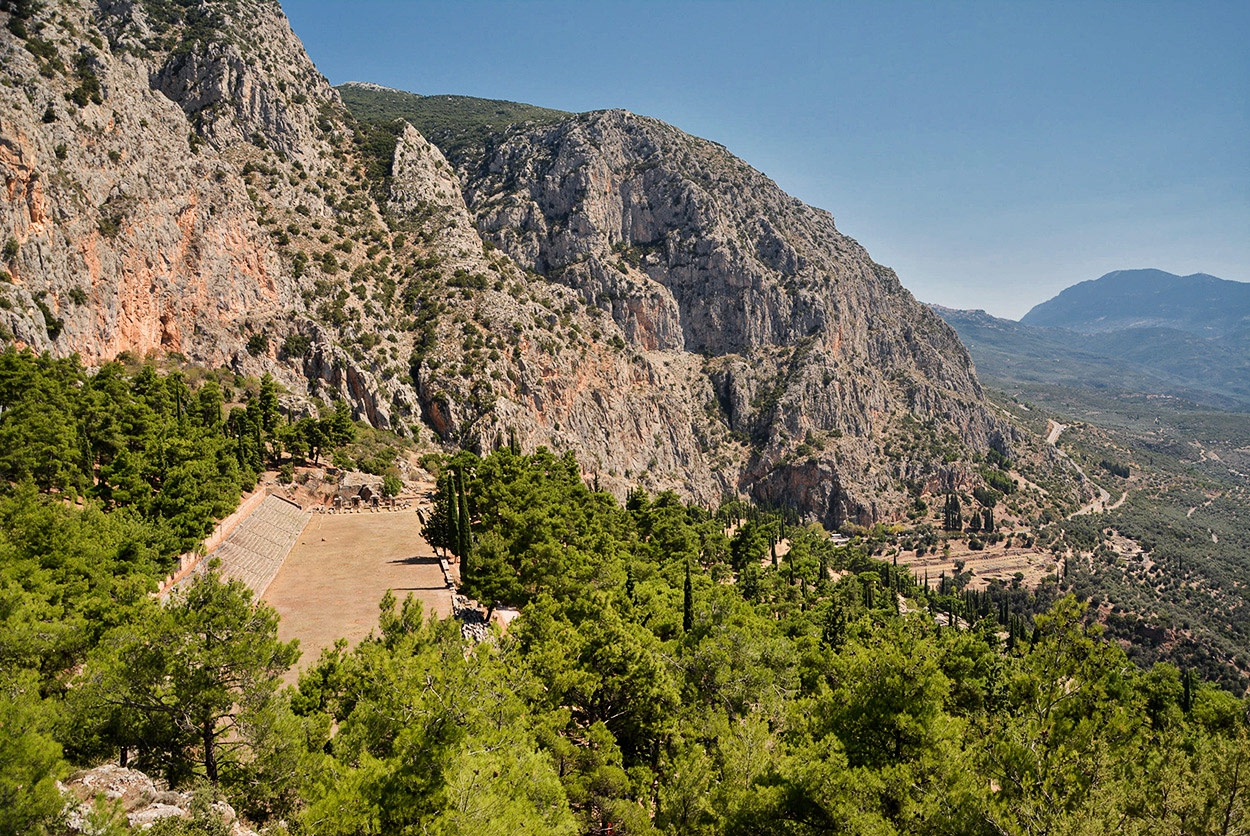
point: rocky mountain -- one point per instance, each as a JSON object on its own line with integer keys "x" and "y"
{"x": 1133, "y": 330}
{"x": 1198, "y": 304}
{"x": 180, "y": 178}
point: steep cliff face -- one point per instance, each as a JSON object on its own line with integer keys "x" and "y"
{"x": 813, "y": 350}
{"x": 181, "y": 178}
{"x": 123, "y": 234}
{"x": 147, "y": 150}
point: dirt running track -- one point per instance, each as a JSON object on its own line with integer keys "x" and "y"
{"x": 341, "y": 566}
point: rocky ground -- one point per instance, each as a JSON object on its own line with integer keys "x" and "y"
{"x": 141, "y": 800}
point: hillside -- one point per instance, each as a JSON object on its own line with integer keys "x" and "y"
{"x": 183, "y": 179}
{"x": 1142, "y": 414}
{"x": 581, "y": 345}
{"x": 453, "y": 123}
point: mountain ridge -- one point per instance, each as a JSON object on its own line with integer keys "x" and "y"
{"x": 602, "y": 283}
{"x": 1200, "y": 367}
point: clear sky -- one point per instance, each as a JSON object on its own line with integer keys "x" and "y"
{"x": 992, "y": 153}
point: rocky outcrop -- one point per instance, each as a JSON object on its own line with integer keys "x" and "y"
{"x": 129, "y": 239}
{"x": 690, "y": 250}
{"x": 140, "y": 799}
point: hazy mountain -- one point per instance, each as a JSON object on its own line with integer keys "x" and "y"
{"x": 1199, "y": 304}
{"x": 1133, "y": 330}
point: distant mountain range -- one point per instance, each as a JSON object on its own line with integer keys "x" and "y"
{"x": 1136, "y": 330}
{"x": 1129, "y": 299}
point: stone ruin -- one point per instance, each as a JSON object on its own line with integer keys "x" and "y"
{"x": 354, "y": 498}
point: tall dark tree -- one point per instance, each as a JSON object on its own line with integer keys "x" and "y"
{"x": 464, "y": 525}
{"x": 952, "y": 514}
{"x": 687, "y": 604}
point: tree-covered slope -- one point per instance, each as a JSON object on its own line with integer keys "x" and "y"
{"x": 666, "y": 676}
{"x": 453, "y": 123}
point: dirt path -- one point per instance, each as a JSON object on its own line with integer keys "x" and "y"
{"x": 1097, "y": 505}
{"x": 341, "y": 566}
{"x": 1100, "y": 503}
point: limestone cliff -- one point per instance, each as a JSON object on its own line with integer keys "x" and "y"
{"x": 814, "y": 351}
{"x": 180, "y": 178}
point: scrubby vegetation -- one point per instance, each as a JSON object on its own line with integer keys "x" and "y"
{"x": 673, "y": 670}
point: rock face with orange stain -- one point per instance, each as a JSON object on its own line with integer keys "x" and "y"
{"x": 131, "y": 239}
{"x": 128, "y": 218}
{"x": 183, "y": 179}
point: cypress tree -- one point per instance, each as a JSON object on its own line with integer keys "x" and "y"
{"x": 453, "y": 515}
{"x": 466, "y": 532}
{"x": 260, "y": 447}
{"x": 687, "y": 611}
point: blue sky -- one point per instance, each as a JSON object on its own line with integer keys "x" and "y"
{"x": 992, "y": 153}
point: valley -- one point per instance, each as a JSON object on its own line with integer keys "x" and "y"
{"x": 303, "y": 387}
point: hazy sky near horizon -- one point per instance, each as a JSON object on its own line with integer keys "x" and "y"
{"x": 992, "y": 153}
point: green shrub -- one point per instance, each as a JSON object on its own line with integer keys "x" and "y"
{"x": 296, "y": 345}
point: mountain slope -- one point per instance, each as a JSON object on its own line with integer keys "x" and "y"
{"x": 1199, "y": 304}
{"x": 182, "y": 179}
{"x": 689, "y": 250}
{"x": 453, "y": 123}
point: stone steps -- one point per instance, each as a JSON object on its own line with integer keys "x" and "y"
{"x": 254, "y": 551}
